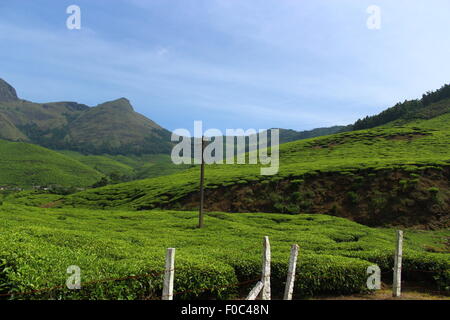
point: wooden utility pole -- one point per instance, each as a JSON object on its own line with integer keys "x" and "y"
{"x": 202, "y": 191}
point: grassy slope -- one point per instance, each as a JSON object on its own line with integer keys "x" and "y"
{"x": 34, "y": 198}
{"x": 382, "y": 147}
{"x": 136, "y": 167}
{"x": 27, "y": 164}
{"x": 24, "y": 164}
{"x": 37, "y": 245}
{"x": 157, "y": 165}
{"x": 103, "y": 164}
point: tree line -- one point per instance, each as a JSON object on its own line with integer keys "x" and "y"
{"x": 403, "y": 110}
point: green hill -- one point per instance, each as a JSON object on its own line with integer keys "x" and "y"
{"x": 431, "y": 104}
{"x": 102, "y": 163}
{"x": 130, "y": 167}
{"x": 25, "y": 165}
{"x": 394, "y": 174}
{"x": 112, "y": 127}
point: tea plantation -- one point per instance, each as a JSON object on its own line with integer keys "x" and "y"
{"x": 413, "y": 146}
{"x": 121, "y": 253}
{"x": 25, "y": 165}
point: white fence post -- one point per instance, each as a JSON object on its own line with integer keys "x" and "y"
{"x": 265, "y": 279}
{"x": 255, "y": 291}
{"x": 169, "y": 275}
{"x": 288, "y": 290}
{"x": 397, "y": 284}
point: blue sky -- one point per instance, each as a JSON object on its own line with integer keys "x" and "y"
{"x": 296, "y": 64}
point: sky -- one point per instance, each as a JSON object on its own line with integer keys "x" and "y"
{"x": 297, "y": 64}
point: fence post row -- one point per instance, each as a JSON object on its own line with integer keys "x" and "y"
{"x": 289, "y": 289}
{"x": 265, "y": 278}
{"x": 263, "y": 286}
{"x": 397, "y": 284}
{"x": 169, "y": 275}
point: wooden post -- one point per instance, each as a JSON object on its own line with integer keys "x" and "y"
{"x": 265, "y": 278}
{"x": 202, "y": 191}
{"x": 169, "y": 275}
{"x": 255, "y": 291}
{"x": 288, "y": 290}
{"x": 397, "y": 284}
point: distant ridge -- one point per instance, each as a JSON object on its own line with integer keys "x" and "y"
{"x": 112, "y": 127}
{"x": 288, "y": 135}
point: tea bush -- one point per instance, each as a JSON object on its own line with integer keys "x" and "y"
{"x": 37, "y": 245}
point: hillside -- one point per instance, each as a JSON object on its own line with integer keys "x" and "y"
{"x": 74, "y": 169}
{"x": 25, "y": 165}
{"x": 397, "y": 174}
{"x": 112, "y": 127}
{"x": 432, "y": 104}
{"x": 130, "y": 167}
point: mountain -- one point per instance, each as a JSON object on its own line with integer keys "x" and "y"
{"x": 112, "y": 127}
{"x": 25, "y": 165}
{"x": 395, "y": 174}
{"x": 7, "y": 92}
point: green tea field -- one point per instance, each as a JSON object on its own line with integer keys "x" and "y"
{"x": 121, "y": 253}
{"x": 392, "y": 170}
{"x": 25, "y": 165}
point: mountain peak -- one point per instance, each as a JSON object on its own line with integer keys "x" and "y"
{"x": 7, "y": 92}
{"x": 119, "y": 104}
